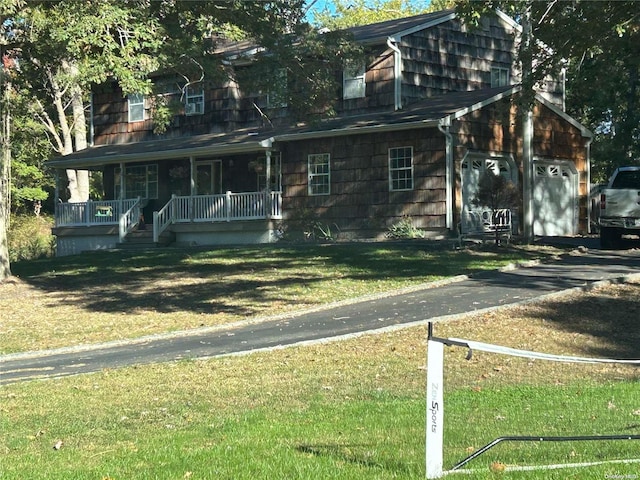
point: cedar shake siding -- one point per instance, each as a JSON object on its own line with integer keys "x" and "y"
{"x": 360, "y": 200}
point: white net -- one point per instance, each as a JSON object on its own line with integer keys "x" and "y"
{"x": 513, "y": 409}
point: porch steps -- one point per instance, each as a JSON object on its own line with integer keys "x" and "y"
{"x": 143, "y": 239}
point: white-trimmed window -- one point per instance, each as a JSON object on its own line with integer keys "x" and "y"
{"x": 139, "y": 181}
{"x": 319, "y": 174}
{"x": 194, "y": 100}
{"x": 353, "y": 81}
{"x": 499, "y": 77}
{"x": 136, "y": 107}
{"x": 401, "y": 168}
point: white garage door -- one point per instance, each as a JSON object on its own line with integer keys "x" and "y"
{"x": 555, "y": 199}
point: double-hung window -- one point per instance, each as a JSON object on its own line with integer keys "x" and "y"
{"x": 401, "y": 168}
{"x": 499, "y": 77}
{"x": 353, "y": 80}
{"x": 139, "y": 181}
{"x": 319, "y": 174}
{"x": 194, "y": 100}
{"x": 136, "y": 107}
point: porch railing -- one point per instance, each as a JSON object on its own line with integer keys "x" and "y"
{"x": 92, "y": 212}
{"x": 225, "y": 207}
{"x": 129, "y": 220}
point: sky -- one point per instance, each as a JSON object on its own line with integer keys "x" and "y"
{"x": 320, "y": 5}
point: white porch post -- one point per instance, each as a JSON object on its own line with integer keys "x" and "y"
{"x": 444, "y": 126}
{"x": 123, "y": 189}
{"x": 192, "y": 167}
{"x": 268, "y": 184}
{"x": 192, "y": 189}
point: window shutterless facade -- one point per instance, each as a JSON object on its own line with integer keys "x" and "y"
{"x": 139, "y": 181}
{"x": 194, "y": 100}
{"x": 499, "y": 77}
{"x": 353, "y": 81}
{"x": 319, "y": 174}
{"x": 136, "y": 107}
{"x": 401, "y": 168}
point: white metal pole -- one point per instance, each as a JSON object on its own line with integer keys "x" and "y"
{"x": 435, "y": 410}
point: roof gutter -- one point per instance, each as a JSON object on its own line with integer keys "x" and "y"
{"x": 227, "y": 149}
{"x": 355, "y": 131}
{"x": 397, "y": 72}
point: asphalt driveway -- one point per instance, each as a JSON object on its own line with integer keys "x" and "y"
{"x": 431, "y": 303}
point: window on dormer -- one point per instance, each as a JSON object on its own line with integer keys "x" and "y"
{"x": 353, "y": 80}
{"x": 136, "y": 107}
{"x": 194, "y": 100}
{"x": 499, "y": 77}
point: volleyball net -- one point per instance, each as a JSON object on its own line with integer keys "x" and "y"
{"x": 501, "y": 408}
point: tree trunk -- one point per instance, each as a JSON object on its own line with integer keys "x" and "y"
{"x": 5, "y": 186}
{"x": 80, "y": 138}
{"x": 78, "y": 180}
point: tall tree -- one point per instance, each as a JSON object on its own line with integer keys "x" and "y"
{"x": 352, "y": 13}
{"x": 598, "y": 45}
{"x": 8, "y": 8}
{"x": 70, "y": 45}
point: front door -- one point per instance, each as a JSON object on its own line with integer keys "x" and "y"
{"x": 209, "y": 177}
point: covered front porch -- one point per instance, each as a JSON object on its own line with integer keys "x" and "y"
{"x": 119, "y": 218}
{"x": 177, "y": 192}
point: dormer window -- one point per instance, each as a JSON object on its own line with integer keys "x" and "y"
{"x": 353, "y": 80}
{"x": 136, "y": 107}
{"x": 499, "y": 77}
{"x": 194, "y": 100}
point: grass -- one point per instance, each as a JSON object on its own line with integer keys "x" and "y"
{"x": 347, "y": 410}
{"x": 105, "y": 296}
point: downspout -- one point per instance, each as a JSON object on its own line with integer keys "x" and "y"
{"x": 397, "y": 72}
{"x": 444, "y": 126}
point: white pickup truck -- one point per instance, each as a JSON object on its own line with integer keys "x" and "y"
{"x": 620, "y": 207}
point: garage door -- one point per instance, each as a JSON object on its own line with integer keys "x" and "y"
{"x": 555, "y": 199}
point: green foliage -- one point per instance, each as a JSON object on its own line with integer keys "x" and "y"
{"x": 305, "y": 225}
{"x": 30, "y": 181}
{"x": 596, "y": 43}
{"x": 352, "y": 13}
{"x": 404, "y": 229}
{"x": 322, "y": 231}
{"x": 30, "y": 238}
{"x": 496, "y": 191}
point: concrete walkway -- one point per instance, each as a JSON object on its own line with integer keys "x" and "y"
{"x": 431, "y": 302}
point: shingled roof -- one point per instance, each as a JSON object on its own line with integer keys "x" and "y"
{"x": 377, "y": 33}
{"x": 427, "y": 113}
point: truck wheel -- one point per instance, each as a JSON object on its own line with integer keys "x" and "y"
{"x": 609, "y": 238}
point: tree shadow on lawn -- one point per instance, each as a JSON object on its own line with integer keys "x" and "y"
{"x": 240, "y": 281}
{"x": 610, "y": 316}
{"x": 355, "y": 454}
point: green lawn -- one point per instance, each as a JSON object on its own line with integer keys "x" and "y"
{"x": 103, "y": 296}
{"x": 353, "y": 409}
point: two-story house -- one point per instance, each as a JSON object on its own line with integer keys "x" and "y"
{"x": 430, "y": 108}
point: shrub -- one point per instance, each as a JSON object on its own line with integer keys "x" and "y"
{"x": 404, "y": 229}
{"x": 30, "y": 238}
